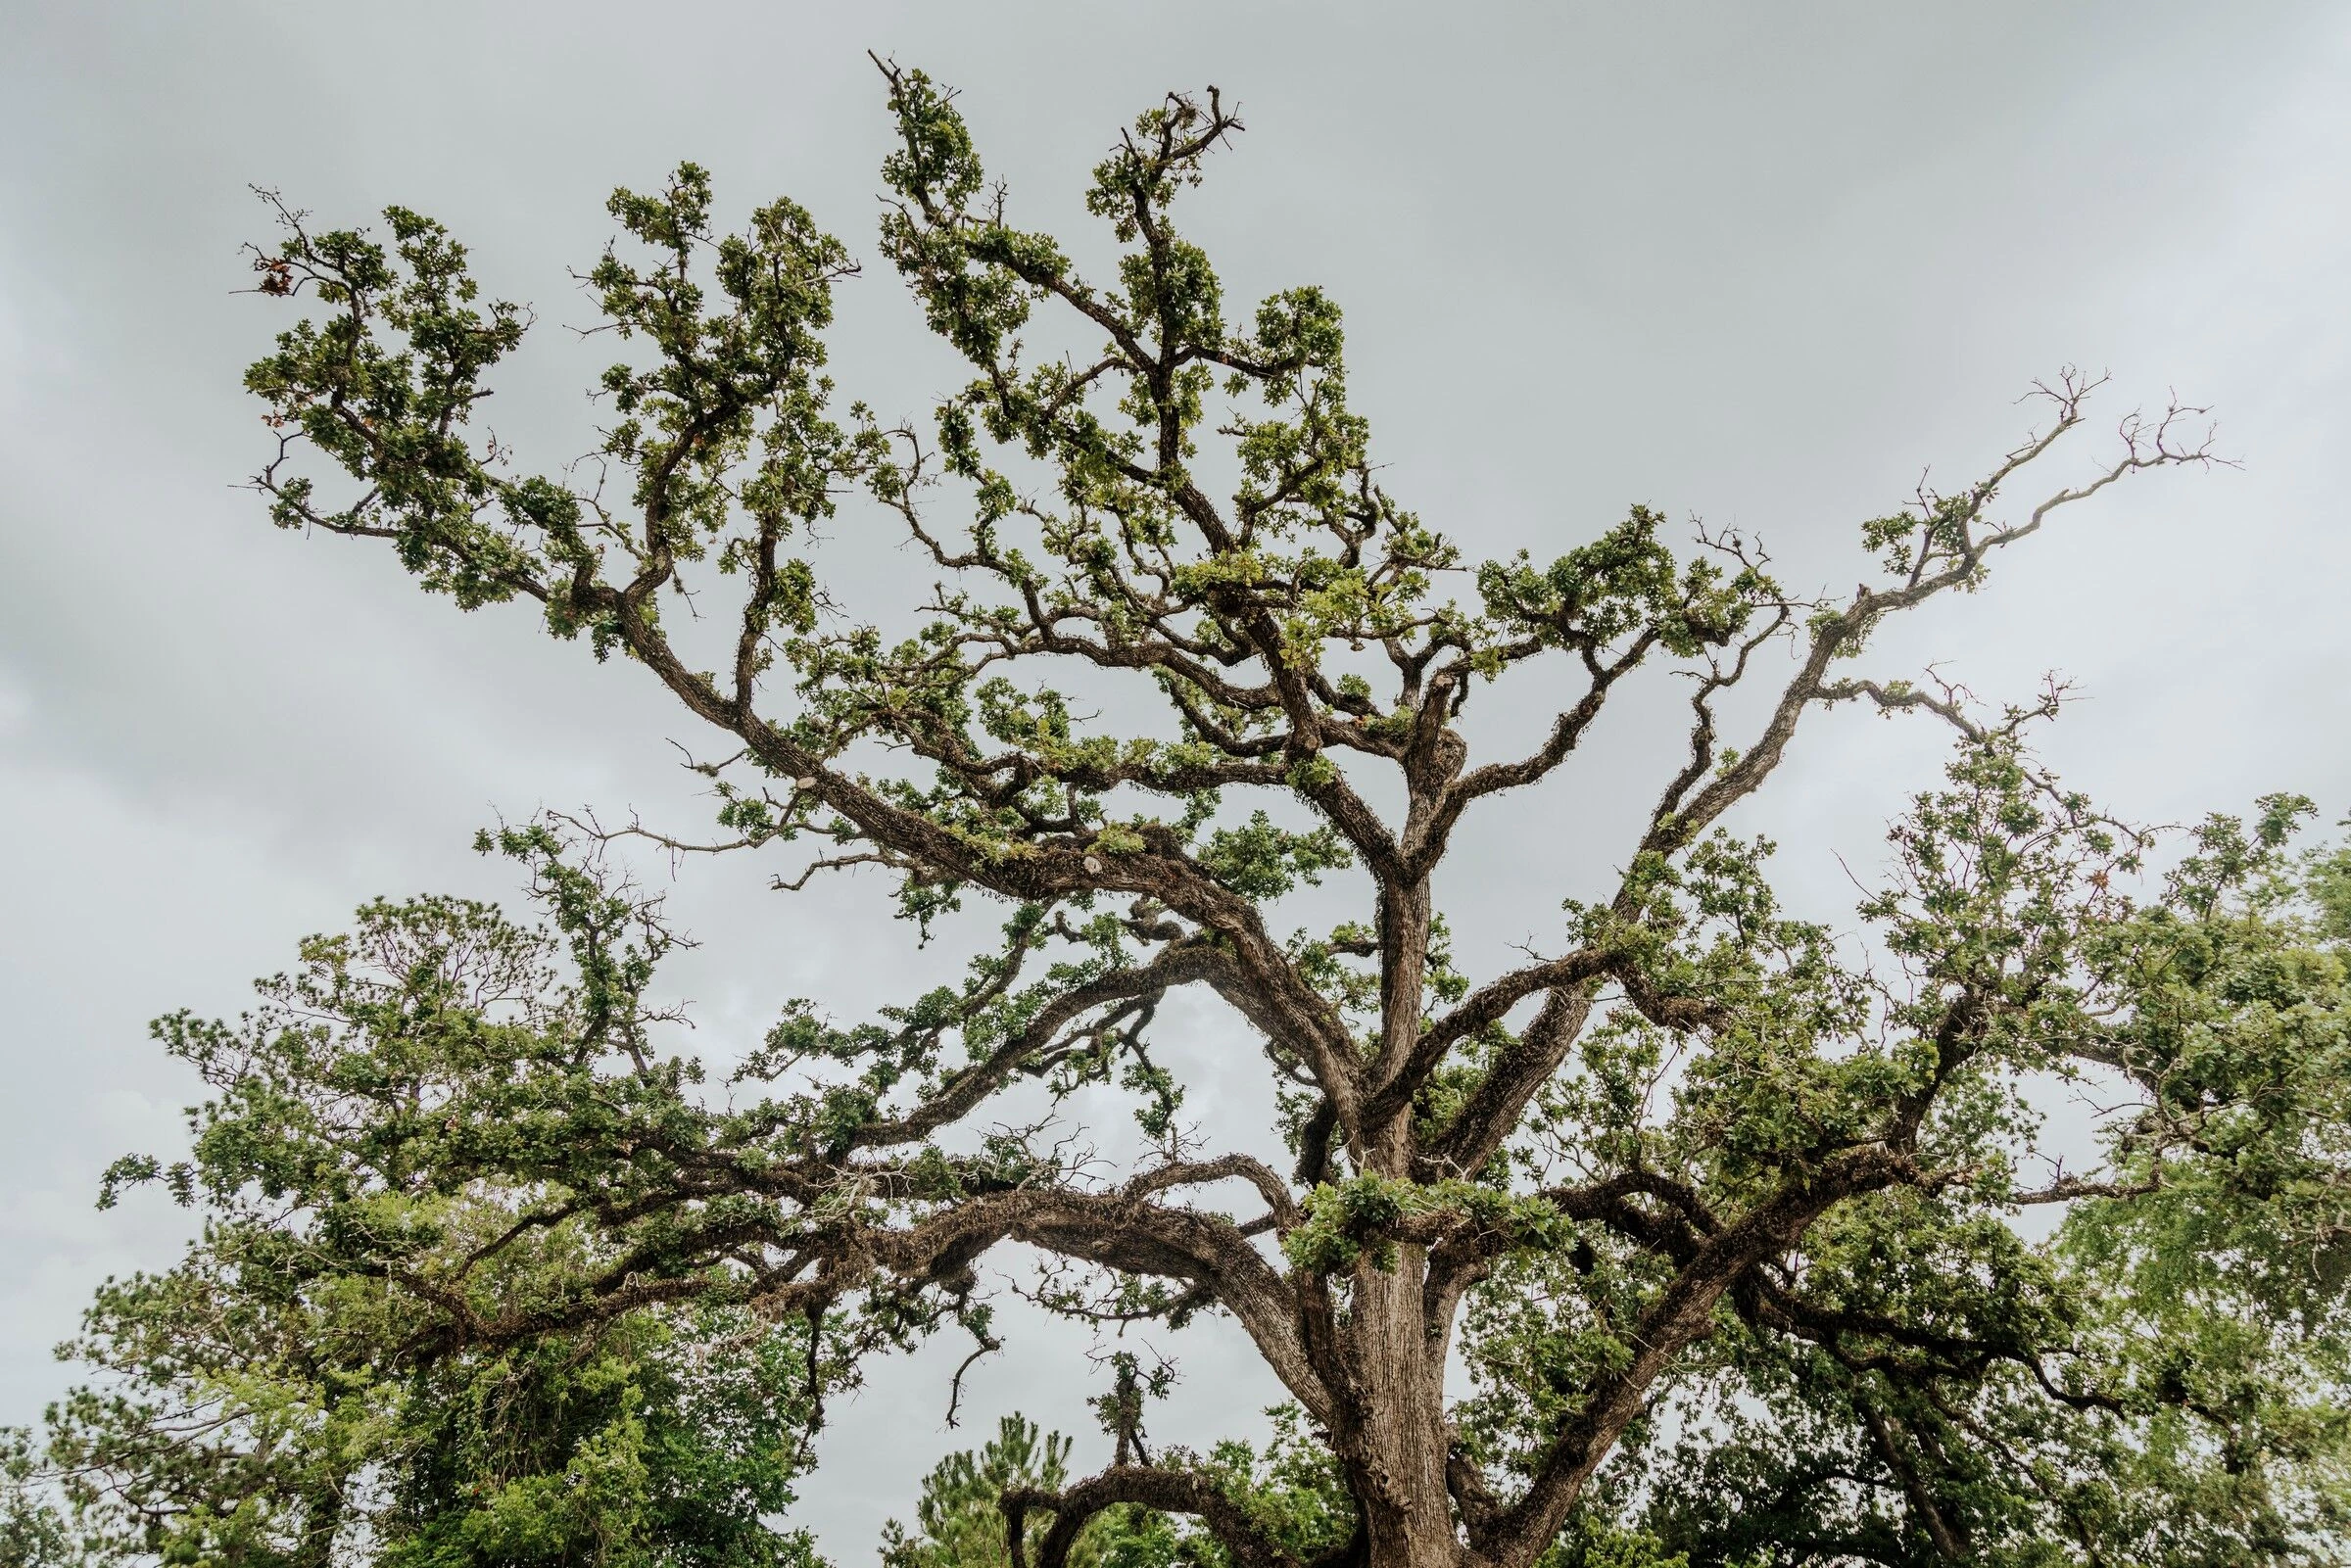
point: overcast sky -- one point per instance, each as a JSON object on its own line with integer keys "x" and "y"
{"x": 1758, "y": 265}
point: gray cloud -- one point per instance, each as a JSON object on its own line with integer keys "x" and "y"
{"x": 1758, "y": 265}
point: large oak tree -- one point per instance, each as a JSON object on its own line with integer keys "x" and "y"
{"x": 1691, "y": 1232}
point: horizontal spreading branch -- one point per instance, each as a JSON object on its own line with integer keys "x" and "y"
{"x": 1176, "y": 1491}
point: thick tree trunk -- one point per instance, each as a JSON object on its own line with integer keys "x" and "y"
{"x": 1407, "y": 1512}
{"x": 1399, "y": 1364}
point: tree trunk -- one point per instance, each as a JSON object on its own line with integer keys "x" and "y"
{"x": 1399, "y": 1367}
{"x": 1407, "y": 1512}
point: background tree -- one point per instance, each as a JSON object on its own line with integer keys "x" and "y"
{"x": 956, "y": 1520}
{"x": 2196, "y": 1412}
{"x": 267, "y": 1403}
{"x": 1702, "y": 1196}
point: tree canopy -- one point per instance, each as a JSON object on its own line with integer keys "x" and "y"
{"x": 1693, "y": 1237}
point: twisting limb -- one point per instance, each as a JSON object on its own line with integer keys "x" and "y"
{"x": 1945, "y": 548}
{"x": 1179, "y": 1492}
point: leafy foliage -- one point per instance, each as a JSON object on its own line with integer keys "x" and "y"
{"x": 296, "y": 1385}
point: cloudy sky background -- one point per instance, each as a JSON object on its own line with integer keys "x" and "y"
{"x": 1762, "y": 265}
